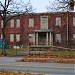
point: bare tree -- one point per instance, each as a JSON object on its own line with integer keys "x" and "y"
{"x": 60, "y": 5}
{"x": 8, "y": 8}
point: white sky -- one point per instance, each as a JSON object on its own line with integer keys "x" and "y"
{"x": 39, "y": 5}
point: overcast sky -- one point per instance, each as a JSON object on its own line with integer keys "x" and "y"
{"x": 39, "y": 5}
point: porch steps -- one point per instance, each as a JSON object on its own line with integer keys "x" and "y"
{"x": 49, "y": 48}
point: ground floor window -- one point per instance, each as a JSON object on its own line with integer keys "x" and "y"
{"x": 17, "y": 37}
{"x": 1, "y": 36}
{"x": 73, "y": 36}
{"x": 58, "y": 38}
{"x": 31, "y": 37}
{"x": 11, "y": 37}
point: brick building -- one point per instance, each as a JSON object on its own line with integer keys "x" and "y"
{"x": 42, "y": 29}
{"x": 57, "y": 28}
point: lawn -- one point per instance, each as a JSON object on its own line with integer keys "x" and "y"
{"x": 60, "y": 53}
{"x": 14, "y": 51}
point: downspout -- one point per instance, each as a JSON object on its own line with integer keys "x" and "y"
{"x": 67, "y": 27}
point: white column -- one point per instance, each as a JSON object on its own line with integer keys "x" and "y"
{"x": 36, "y": 38}
{"x": 47, "y": 38}
{"x": 50, "y": 39}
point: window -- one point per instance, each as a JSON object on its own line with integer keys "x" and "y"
{"x": 17, "y": 37}
{"x": 1, "y": 23}
{"x": 73, "y": 36}
{"x": 44, "y": 22}
{"x": 12, "y": 23}
{"x": 58, "y": 38}
{"x": 58, "y": 21}
{"x": 31, "y": 22}
{"x": 1, "y": 36}
{"x": 73, "y": 21}
{"x": 11, "y": 37}
{"x": 31, "y": 37}
{"x": 17, "y": 23}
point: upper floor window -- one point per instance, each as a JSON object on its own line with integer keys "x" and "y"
{"x": 73, "y": 21}
{"x": 12, "y": 23}
{"x": 11, "y": 37}
{"x": 1, "y": 23}
{"x": 58, "y": 38}
{"x": 44, "y": 22}
{"x": 17, "y": 23}
{"x": 58, "y": 21}
{"x": 31, "y": 22}
{"x": 17, "y": 37}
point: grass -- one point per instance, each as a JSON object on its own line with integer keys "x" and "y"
{"x": 14, "y": 51}
{"x": 60, "y": 53}
{"x": 52, "y": 53}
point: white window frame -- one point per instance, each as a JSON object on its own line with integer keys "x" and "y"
{"x": 31, "y": 22}
{"x": 18, "y": 37}
{"x": 44, "y": 23}
{"x": 58, "y": 21}
{"x": 12, "y": 23}
{"x": 31, "y": 37}
{"x": 1, "y": 36}
{"x": 58, "y": 37}
{"x": 1, "y": 23}
{"x": 17, "y": 23}
{"x": 73, "y": 36}
{"x": 11, "y": 37}
{"x": 74, "y": 21}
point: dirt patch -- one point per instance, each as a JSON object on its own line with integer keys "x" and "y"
{"x": 3, "y": 72}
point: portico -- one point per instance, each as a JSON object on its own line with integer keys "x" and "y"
{"x": 43, "y": 38}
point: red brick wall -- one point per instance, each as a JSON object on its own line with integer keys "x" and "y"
{"x": 24, "y": 30}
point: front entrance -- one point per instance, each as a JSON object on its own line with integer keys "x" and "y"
{"x": 42, "y": 38}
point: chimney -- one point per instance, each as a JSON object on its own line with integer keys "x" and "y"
{"x": 71, "y": 5}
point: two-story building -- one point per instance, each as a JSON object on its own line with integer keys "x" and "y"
{"x": 44, "y": 29}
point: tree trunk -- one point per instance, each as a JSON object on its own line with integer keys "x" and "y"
{"x": 3, "y": 42}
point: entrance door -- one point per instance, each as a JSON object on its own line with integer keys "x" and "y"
{"x": 42, "y": 39}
